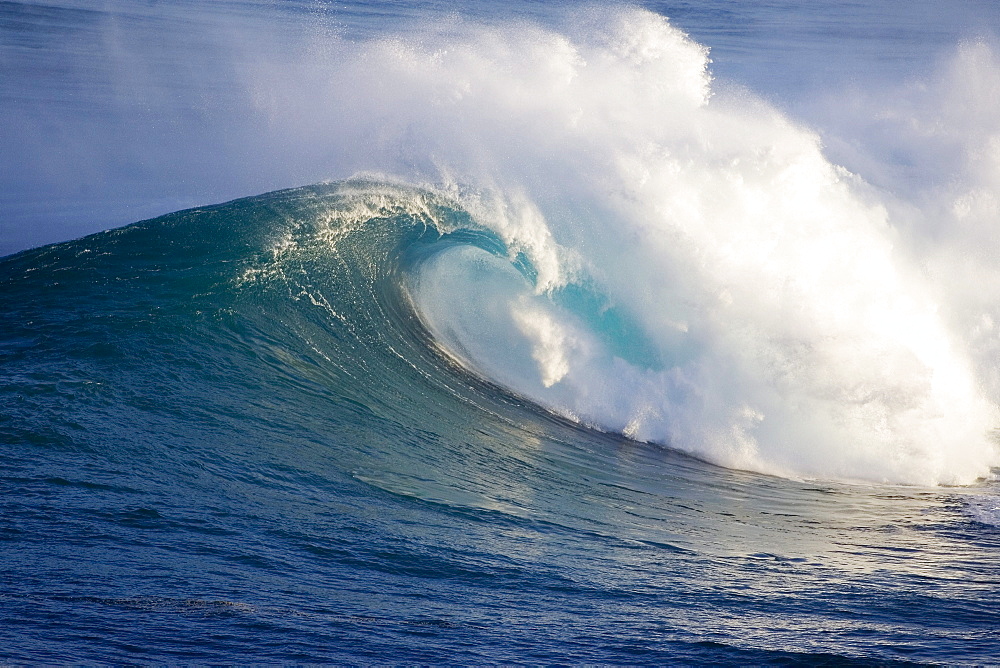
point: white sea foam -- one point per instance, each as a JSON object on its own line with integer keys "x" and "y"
{"x": 982, "y": 509}
{"x": 801, "y": 328}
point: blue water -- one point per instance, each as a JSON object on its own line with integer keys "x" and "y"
{"x": 571, "y": 351}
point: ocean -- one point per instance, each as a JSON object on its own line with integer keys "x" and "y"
{"x": 480, "y": 333}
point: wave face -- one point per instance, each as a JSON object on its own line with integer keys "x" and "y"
{"x": 593, "y": 360}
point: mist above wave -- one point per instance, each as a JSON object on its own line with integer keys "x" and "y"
{"x": 796, "y": 329}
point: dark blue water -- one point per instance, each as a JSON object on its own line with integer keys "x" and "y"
{"x": 254, "y": 432}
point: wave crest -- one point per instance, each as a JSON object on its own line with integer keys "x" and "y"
{"x": 791, "y": 331}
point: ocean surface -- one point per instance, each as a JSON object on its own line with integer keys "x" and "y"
{"x": 525, "y": 333}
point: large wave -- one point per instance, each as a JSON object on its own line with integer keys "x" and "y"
{"x": 676, "y": 261}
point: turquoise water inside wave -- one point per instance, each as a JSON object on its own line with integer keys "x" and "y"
{"x": 599, "y": 338}
{"x": 227, "y": 437}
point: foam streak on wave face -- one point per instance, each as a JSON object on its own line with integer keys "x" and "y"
{"x": 792, "y": 334}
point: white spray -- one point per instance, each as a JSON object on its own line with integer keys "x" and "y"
{"x": 796, "y": 333}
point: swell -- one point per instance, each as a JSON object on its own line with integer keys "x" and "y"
{"x": 401, "y": 306}
{"x": 281, "y": 318}
{"x": 658, "y": 255}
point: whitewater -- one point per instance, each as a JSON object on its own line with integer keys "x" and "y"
{"x": 547, "y": 342}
